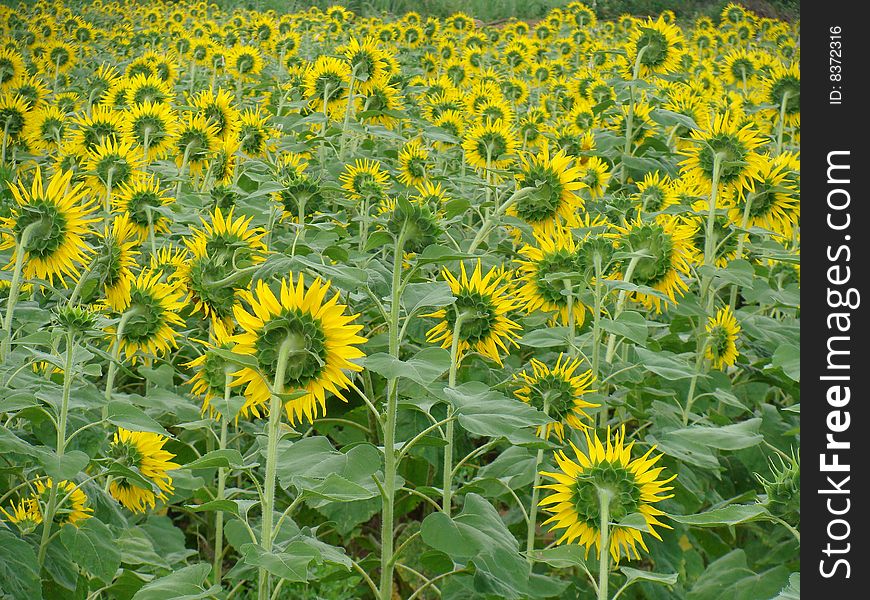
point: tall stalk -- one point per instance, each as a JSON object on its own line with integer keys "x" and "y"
{"x": 629, "y": 119}
{"x": 273, "y": 430}
{"x": 221, "y": 486}
{"x": 447, "y": 480}
{"x": 389, "y": 420}
{"x": 14, "y": 288}
{"x": 604, "y": 497}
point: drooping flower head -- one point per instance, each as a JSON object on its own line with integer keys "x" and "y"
{"x": 722, "y": 332}
{"x": 73, "y": 510}
{"x": 609, "y": 473}
{"x": 143, "y": 451}
{"x": 318, "y": 337}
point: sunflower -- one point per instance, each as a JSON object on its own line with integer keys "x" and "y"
{"x": 300, "y": 192}
{"x": 325, "y": 84}
{"x": 482, "y": 304}
{"x": 14, "y": 117}
{"x": 315, "y": 337}
{"x": 736, "y": 146}
{"x": 142, "y": 451}
{"x": 244, "y": 62}
{"x": 722, "y": 332}
{"x": 772, "y": 199}
{"x": 655, "y": 193}
{"x": 605, "y": 473}
{"x": 595, "y": 175}
{"x": 783, "y": 85}
{"x": 552, "y": 183}
{"x": 150, "y": 321}
{"x": 111, "y": 164}
{"x": 72, "y": 510}
{"x": 558, "y": 392}
{"x": 367, "y": 61}
{"x": 151, "y": 126}
{"x": 116, "y": 259}
{"x": 45, "y": 129}
{"x": 148, "y": 88}
{"x": 140, "y": 200}
{"x": 741, "y": 67}
{"x": 413, "y": 163}
{"x": 32, "y": 89}
{"x": 101, "y": 124}
{"x": 255, "y": 134}
{"x": 56, "y": 219}
{"x": 380, "y": 103}
{"x": 218, "y": 110}
{"x": 26, "y": 514}
{"x": 725, "y": 241}
{"x": 415, "y": 217}
{"x": 542, "y": 273}
{"x": 365, "y": 180}
{"x": 490, "y": 145}
{"x": 194, "y": 142}
{"x": 452, "y": 122}
{"x": 662, "y": 250}
{"x": 221, "y": 250}
{"x": 11, "y": 68}
{"x": 59, "y": 57}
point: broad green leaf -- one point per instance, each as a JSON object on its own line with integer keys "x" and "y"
{"x": 733, "y": 514}
{"x": 633, "y": 575}
{"x": 476, "y": 529}
{"x": 313, "y": 465}
{"x": 184, "y": 584}
{"x": 670, "y": 118}
{"x": 433, "y": 294}
{"x": 19, "y": 571}
{"x": 133, "y": 418}
{"x": 665, "y": 364}
{"x": 730, "y": 578}
{"x": 440, "y": 255}
{"x": 729, "y": 437}
{"x": 629, "y": 325}
{"x": 561, "y": 557}
{"x": 424, "y": 368}
{"x": 93, "y": 546}
{"x": 65, "y": 467}
{"x": 229, "y": 506}
{"x": 226, "y": 459}
{"x": 291, "y": 564}
{"x": 792, "y": 591}
{"x": 483, "y": 411}
{"x": 549, "y": 337}
{"x": 788, "y": 358}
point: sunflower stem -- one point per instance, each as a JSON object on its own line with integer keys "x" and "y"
{"x": 347, "y": 111}
{"x": 5, "y": 141}
{"x": 389, "y": 420}
{"x": 629, "y": 119}
{"x": 781, "y": 124}
{"x": 572, "y": 348}
{"x": 490, "y": 221}
{"x": 744, "y": 222}
{"x": 151, "y": 240}
{"x": 620, "y": 306}
{"x": 596, "y": 329}
{"x": 15, "y": 288}
{"x": 363, "y": 224}
{"x": 108, "y": 200}
{"x": 51, "y": 508}
{"x": 273, "y": 432}
{"x": 447, "y": 484}
{"x": 604, "y": 496}
{"x": 221, "y": 486}
{"x": 533, "y": 512}
{"x": 116, "y": 359}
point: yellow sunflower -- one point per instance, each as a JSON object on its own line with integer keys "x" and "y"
{"x": 116, "y": 259}
{"x": 558, "y": 392}
{"x": 45, "y": 129}
{"x": 141, "y": 200}
{"x": 365, "y": 180}
{"x": 772, "y": 200}
{"x": 553, "y": 183}
{"x": 307, "y": 340}
{"x": 722, "y": 332}
{"x": 606, "y": 476}
{"x": 194, "y": 142}
{"x": 26, "y": 514}
{"x": 143, "y": 451}
{"x": 218, "y": 109}
{"x": 482, "y": 305}
{"x": 49, "y": 224}
{"x": 111, "y": 164}
{"x": 490, "y": 145}
{"x": 151, "y": 126}
{"x": 326, "y": 84}
{"x": 73, "y": 510}
{"x": 413, "y": 163}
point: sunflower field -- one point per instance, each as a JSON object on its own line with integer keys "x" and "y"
{"x": 324, "y": 305}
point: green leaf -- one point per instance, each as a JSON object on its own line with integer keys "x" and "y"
{"x": 729, "y": 437}
{"x": 133, "y": 418}
{"x": 242, "y": 360}
{"x": 730, "y": 578}
{"x": 629, "y": 325}
{"x": 550, "y": 337}
{"x": 66, "y": 467}
{"x": 733, "y": 514}
{"x": 229, "y": 458}
{"x": 183, "y": 584}
{"x": 792, "y": 591}
{"x": 92, "y": 545}
{"x": 424, "y": 368}
{"x": 633, "y": 575}
{"x": 291, "y": 564}
{"x": 315, "y": 467}
{"x": 440, "y": 255}
{"x": 483, "y": 411}
{"x": 433, "y": 294}
{"x": 476, "y": 529}
{"x": 19, "y": 571}
{"x": 788, "y": 358}
{"x": 665, "y": 364}
{"x": 561, "y": 557}
{"x": 229, "y": 506}
{"x": 670, "y": 118}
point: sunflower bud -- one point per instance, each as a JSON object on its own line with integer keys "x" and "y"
{"x": 783, "y": 488}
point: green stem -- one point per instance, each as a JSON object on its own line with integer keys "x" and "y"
{"x": 51, "y": 508}
{"x": 273, "y": 432}
{"x": 221, "y": 487}
{"x": 781, "y": 123}
{"x": 604, "y": 496}
{"x": 596, "y": 329}
{"x": 151, "y": 239}
{"x": 14, "y": 288}
{"x": 116, "y": 358}
{"x": 620, "y": 306}
{"x": 447, "y": 483}
{"x": 572, "y": 348}
{"x": 741, "y": 242}
{"x": 533, "y": 513}
{"x": 629, "y": 119}
{"x": 389, "y": 421}
{"x": 347, "y": 112}
{"x": 489, "y": 222}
